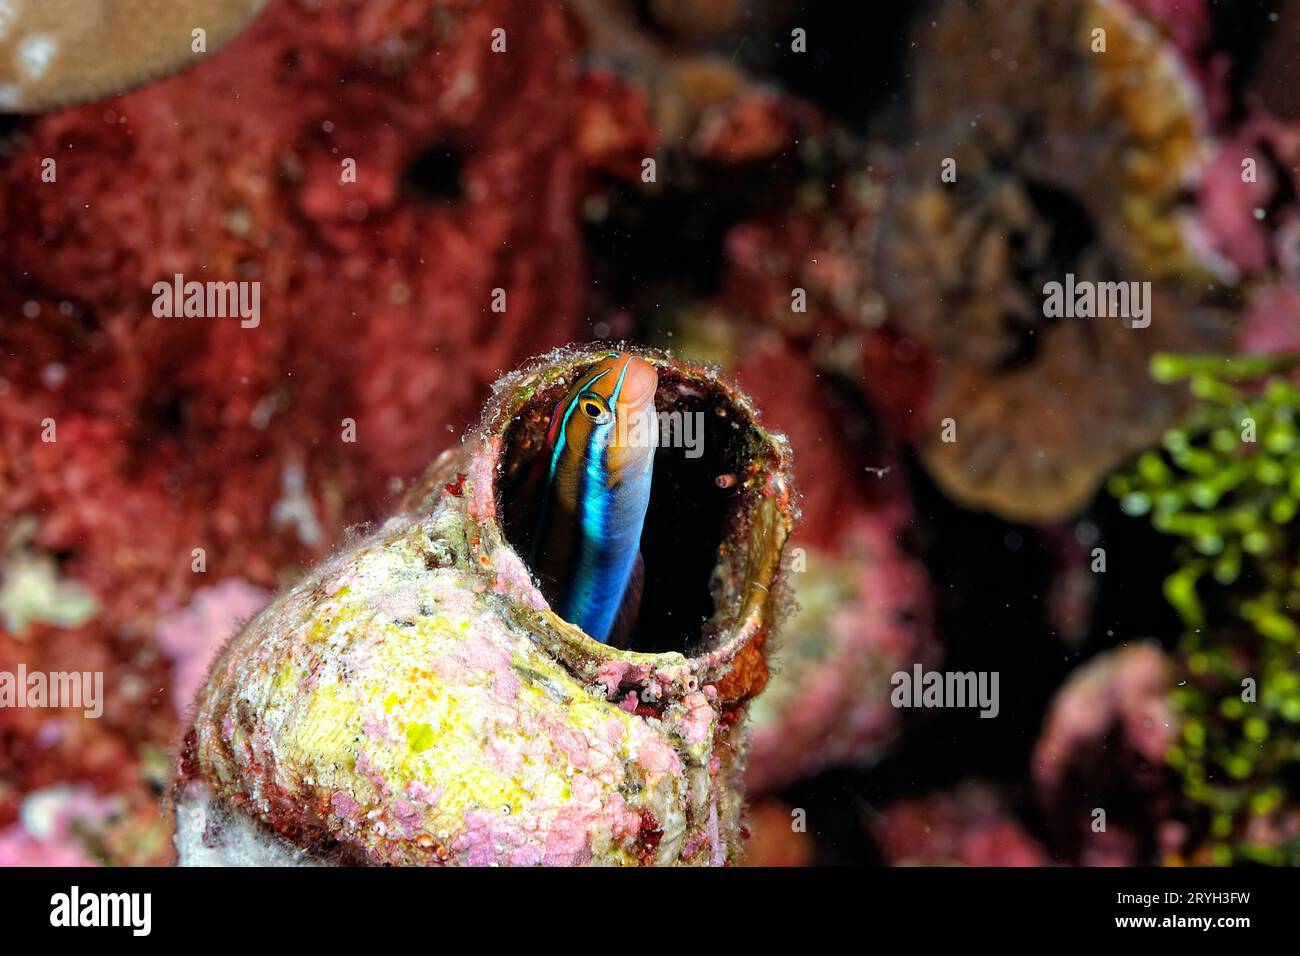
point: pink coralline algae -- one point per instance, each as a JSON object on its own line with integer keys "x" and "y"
{"x": 54, "y": 827}
{"x": 1121, "y": 690}
{"x": 862, "y": 618}
{"x": 969, "y": 827}
{"x": 194, "y": 450}
{"x": 189, "y": 427}
{"x": 1271, "y": 323}
{"x": 1103, "y": 746}
{"x": 191, "y": 636}
{"x": 864, "y": 608}
{"x": 19, "y": 848}
{"x": 1226, "y": 220}
{"x": 1246, "y": 210}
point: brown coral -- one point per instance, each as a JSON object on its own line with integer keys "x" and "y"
{"x": 1067, "y": 161}
{"x": 58, "y": 52}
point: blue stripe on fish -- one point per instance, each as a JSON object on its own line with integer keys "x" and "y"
{"x": 586, "y": 544}
{"x": 608, "y": 547}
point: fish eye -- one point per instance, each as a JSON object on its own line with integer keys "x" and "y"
{"x": 594, "y": 409}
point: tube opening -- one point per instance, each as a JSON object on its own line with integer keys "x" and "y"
{"x": 699, "y": 502}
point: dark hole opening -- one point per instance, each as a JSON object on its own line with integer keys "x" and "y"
{"x": 1072, "y": 230}
{"x": 436, "y": 174}
{"x": 653, "y": 248}
{"x": 1244, "y": 34}
{"x": 856, "y": 64}
{"x": 168, "y": 414}
{"x": 686, "y": 521}
{"x": 1071, "y": 234}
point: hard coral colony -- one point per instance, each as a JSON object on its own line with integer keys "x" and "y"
{"x": 58, "y": 52}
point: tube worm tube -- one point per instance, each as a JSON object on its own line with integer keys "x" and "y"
{"x": 415, "y": 700}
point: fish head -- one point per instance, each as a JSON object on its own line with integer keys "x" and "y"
{"x": 610, "y": 412}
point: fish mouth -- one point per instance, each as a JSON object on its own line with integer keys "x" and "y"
{"x": 720, "y": 503}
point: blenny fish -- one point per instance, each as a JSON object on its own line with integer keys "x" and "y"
{"x": 593, "y": 479}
